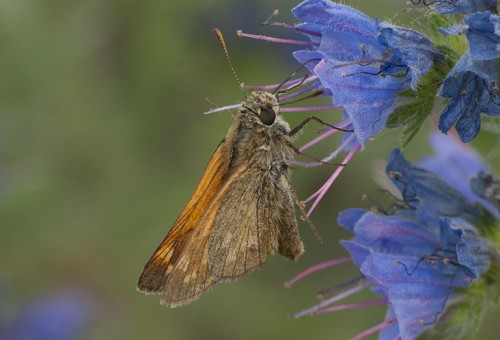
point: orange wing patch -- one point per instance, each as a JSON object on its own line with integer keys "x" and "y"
{"x": 156, "y": 272}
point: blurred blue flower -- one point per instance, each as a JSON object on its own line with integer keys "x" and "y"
{"x": 362, "y": 63}
{"x": 459, "y": 165}
{"x": 487, "y": 186}
{"x": 62, "y": 316}
{"x": 427, "y": 194}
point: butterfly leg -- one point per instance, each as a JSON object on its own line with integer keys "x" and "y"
{"x": 299, "y": 127}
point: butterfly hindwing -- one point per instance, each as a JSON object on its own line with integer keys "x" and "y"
{"x": 253, "y": 221}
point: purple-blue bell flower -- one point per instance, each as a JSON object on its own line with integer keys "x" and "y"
{"x": 417, "y": 258}
{"x": 409, "y": 49}
{"x": 341, "y": 30}
{"x": 465, "y": 6}
{"x": 367, "y": 98}
{"x": 378, "y": 232}
{"x": 482, "y": 34}
{"x": 364, "y": 63}
{"x": 473, "y": 254}
{"x": 401, "y": 258}
{"x": 472, "y": 88}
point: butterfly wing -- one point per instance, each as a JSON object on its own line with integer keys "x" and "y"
{"x": 190, "y": 276}
{"x": 255, "y": 219}
{"x": 159, "y": 267}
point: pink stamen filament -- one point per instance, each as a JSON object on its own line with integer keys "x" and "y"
{"x": 375, "y": 329}
{"x": 326, "y": 134}
{"x": 352, "y": 306}
{"x": 343, "y": 285}
{"x": 298, "y": 29}
{"x": 276, "y": 40}
{"x": 340, "y": 148}
{"x": 295, "y": 94}
{"x": 331, "y": 300}
{"x": 326, "y": 159}
{"x": 322, "y": 191}
{"x": 317, "y": 267}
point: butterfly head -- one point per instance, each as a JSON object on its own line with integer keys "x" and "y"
{"x": 261, "y": 108}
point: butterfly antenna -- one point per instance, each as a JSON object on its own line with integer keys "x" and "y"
{"x": 226, "y": 53}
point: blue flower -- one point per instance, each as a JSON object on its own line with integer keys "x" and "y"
{"x": 465, "y": 6}
{"x": 409, "y": 49}
{"x": 415, "y": 268}
{"x": 418, "y": 257}
{"x": 483, "y": 35}
{"x": 472, "y": 85}
{"x": 487, "y": 187}
{"x": 472, "y": 88}
{"x": 62, "y": 316}
{"x": 463, "y": 169}
{"x": 363, "y": 63}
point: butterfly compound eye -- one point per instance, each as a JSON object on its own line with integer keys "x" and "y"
{"x": 267, "y": 115}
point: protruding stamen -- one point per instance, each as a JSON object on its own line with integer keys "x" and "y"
{"x": 374, "y": 330}
{"x": 276, "y": 40}
{"x": 352, "y": 306}
{"x": 318, "y": 195}
{"x": 328, "y": 133}
{"x": 333, "y": 299}
{"x": 315, "y": 268}
{"x": 306, "y": 108}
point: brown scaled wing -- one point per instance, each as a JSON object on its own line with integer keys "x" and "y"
{"x": 162, "y": 262}
{"x": 228, "y": 228}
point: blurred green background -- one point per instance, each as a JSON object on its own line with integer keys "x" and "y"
{"x": 102, "y": 141}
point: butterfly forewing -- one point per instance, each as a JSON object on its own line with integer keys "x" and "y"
{"x": 163, "y": 260}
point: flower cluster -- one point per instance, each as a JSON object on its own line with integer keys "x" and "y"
{"x": 420, "y": 256}
{"x": 425, "y": 256}
{"x": 362, "y": 63}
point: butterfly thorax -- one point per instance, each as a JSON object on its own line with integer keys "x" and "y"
{"x": 260, "y": 133}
